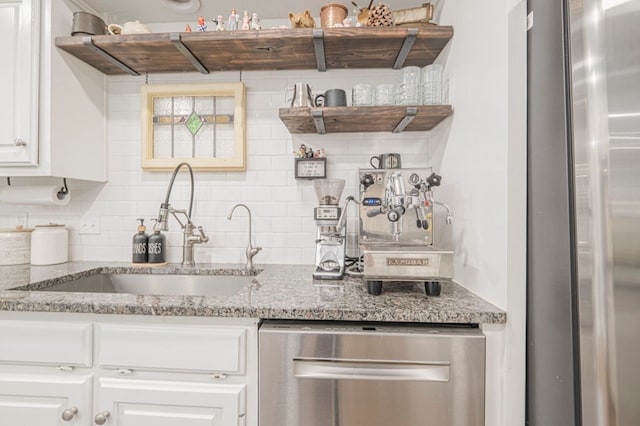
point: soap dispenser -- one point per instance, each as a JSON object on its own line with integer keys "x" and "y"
{"x": 140, "y": 244}
{"x": 156, "y": 246}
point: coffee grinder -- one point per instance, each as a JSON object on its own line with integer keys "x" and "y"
{"x": 331, "y": 235}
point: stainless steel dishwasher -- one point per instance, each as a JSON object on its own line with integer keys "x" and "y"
{"x": 352, "y": 374}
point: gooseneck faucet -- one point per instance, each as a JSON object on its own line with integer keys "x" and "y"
{"x": 190, "y": 237}
{"x": 250, "y": 251}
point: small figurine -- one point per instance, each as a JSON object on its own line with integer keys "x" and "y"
{"x": 246, "y": 21}
{"x": 309, "y": 153}
{"x": 302, "y": 20}
{"x": 319, "y": 153}
{"x": 188, "y": 28}
{"x": 233, "y": 20}
{"x": 202, "y": 25}
{"x": 219, "y": 23}
{"x": 255, "y": 22}
{"x": 301, "y": 152}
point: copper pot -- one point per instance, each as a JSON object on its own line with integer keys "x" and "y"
{"x": 332, "y": 14}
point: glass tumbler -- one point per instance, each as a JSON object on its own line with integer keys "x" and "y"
{"x": 432, "y": 84}
{"x": 385, "y": 94}
{"x": 411, "y": 76}
{"x": 362, "y": 94}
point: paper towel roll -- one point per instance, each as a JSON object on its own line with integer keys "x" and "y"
{"x": 47, "y": 195}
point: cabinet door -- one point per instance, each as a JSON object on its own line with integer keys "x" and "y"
{"x": 19, "y": 32}
{"x": 167, "y": 403}
{"x": 41, "y": 400}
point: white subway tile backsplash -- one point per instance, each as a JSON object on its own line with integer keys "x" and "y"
{"x": 282, "y": 207}
{"x": 272, "y": 240}
{"x": 272, "y": 177}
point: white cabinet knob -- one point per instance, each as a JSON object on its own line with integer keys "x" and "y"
{"x": 19, "y": 142}
{"x": 69, "y": 414}
{"x": 101, "y": 418}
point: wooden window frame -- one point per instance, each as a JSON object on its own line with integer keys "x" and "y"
{"x": 236, "y": 162}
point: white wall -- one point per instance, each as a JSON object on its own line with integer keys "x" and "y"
{"x": 479, "y": 152}
{"x": 484, "y": 158}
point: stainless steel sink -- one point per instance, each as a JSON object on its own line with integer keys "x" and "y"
{"x": 156, "y": 284}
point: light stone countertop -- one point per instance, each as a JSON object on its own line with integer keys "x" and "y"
{"x": 278, "y": 292}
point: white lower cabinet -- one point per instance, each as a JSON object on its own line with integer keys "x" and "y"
{"x": 44, "y": 400}
{"x": 127, "y": 371}
{"x": 165, "y": 403}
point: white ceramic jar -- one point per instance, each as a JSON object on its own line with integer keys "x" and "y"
{"x": 15, "y": 246}
{"x": 49, "y": 244}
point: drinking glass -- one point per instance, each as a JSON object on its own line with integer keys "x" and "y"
{"x": 432, "y": 84}
{"x": 385, "y": 94}
{"x": 362, "y": 94}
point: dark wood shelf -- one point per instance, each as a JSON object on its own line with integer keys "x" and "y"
{"x": 278, "y": 49}
{"x": 394, "y": 118}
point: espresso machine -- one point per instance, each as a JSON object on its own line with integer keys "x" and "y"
{"x": 396, "y": 229}
{"x": 331, "y": 235}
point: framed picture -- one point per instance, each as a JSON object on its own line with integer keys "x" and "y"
{"x": 202, "y": 124}
{"x": 310, "y": 168}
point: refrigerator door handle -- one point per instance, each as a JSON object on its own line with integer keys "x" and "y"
{"x": 370, "y": 370}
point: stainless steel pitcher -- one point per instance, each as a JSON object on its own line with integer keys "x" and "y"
{"x": 302, "y": 96}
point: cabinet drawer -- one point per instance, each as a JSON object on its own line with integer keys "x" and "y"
{"x": 37, "y": 342}
{"x": 182, "y": 348}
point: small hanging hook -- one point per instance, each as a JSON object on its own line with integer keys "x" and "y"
{"x": 64, "y": 190}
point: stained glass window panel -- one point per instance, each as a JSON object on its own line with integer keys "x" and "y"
{"x": 194, "y": 122}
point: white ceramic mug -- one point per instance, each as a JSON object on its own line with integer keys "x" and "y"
{"x": 133, "y": 27}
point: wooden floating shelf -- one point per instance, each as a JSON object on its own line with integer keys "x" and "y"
{"x": 278, "y": 49}
{"x": 394, "y": 118}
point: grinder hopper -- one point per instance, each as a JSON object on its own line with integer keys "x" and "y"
{"x": 328, "y": 191}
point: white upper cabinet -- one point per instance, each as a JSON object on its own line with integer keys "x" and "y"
{"x": 53, "y": 115}
{"x": 19, "y": 32}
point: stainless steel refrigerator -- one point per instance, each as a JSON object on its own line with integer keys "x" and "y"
{"x": 583, "y": 279}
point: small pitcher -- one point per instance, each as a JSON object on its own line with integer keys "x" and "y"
{"x": 302, "y": 96}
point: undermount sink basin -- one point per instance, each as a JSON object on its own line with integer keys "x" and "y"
{"x": 155, "y": 284}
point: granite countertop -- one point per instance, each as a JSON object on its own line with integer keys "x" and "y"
{"x": 277, "y": 292}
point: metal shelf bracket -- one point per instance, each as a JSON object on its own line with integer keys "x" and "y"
{"x": 176, "y": 39}
{"x": 318, "y": 44}
{"x": 409, "y": 40}
{"x": 409, "y": 115}
{"x": 318, "y": 120}
{"x": 87, "y": 41}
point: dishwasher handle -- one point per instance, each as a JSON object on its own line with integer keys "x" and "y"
{"x": 370, "y": 370}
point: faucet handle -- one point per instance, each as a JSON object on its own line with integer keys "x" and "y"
{"x": 252, "y": 251}
{"x": 203, "y": 237}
